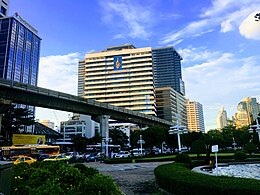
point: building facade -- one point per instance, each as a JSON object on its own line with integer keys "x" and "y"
{"x": 169, "y": 103}
{"x": 4, "y": 8}
{"x": 121, "y": 76}
{"x": 167, "y": 69}
{"x": 195, "y": 116}
{"x": 19, "y": 52}
{"x": 247, "y": 111}
{"x": 222, "y": 119}
{"x": 78, "y": 125}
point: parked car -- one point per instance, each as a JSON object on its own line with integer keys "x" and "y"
{"x": 58, "y": 157}
{"x": 95, "y": 156}
{"x": 42, "y": 157}
{"x": 24, "y": 159}
{"x": 138, "y": 152}
{"x": 123, "y": 154}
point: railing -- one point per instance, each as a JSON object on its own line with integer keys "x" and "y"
{"x": 57, "y": 94}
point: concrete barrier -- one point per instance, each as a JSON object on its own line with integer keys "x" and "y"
{"x": 5, "y": 177}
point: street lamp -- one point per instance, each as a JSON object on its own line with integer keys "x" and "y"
{"x": 251, "y": 130}
{"x": 141, "y": 142}
{"x": 177, "y": 129}
{"x": 107, "y": 140}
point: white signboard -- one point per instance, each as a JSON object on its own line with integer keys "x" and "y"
{"x": 214, "y": 148}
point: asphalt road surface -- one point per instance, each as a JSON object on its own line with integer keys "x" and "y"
{"x": 132, "y": 178}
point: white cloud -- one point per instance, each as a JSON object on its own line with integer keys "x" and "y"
{"x": 59, "y": 72}
{"x": 221, "y": 78}
{"x": 192, "y": 29}
{"x": 250, "y": 28}
{"x": 127, "y": 18}
{"x": 227, "y": 15}
{"x": 226, "y": 26}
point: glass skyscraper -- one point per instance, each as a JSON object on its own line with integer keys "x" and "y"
{"x": 19, "y": 50}
{"x": 3, "y": 8}
{"x": 167, "y": 69}
{"x": 19, "y": 53}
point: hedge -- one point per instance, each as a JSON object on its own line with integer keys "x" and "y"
{"x": 177, "y": 178}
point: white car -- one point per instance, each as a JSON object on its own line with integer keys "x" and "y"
{"x": 138, "y": 152}
{"x": 123, "y": 154}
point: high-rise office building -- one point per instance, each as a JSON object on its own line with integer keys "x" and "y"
{"x": 121, "y": 76}
{"x": 195, "y": 116}
{"x": 169, "y": 103}
{"x": 19, "y": 51}
{"x": 167, "y": 69}
{"x": 247, "y": 111}
{"x": 222, "y": 119}
{"x": 3, "y": 8}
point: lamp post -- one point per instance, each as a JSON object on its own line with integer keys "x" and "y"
{"x": 251, "y": 130}
{"x": 107, "y": 140}
{"x": 177, "y": 129}
{"x": 141, "y": 142}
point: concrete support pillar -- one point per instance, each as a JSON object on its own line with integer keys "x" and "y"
{"x": 104, "y": 131}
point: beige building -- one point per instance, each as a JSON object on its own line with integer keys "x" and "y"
{"x": 222, "y": 119}
{"x": 169, "y": 103}
{"x": 121, "y": 76}
{"x": 195, "y": 116}
{"x": 48, "y": 123}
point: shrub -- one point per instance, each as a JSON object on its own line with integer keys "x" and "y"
{"x": 239, "y": 155}
{"x": 59, "y": 178}
{"x": 176, "y": 178}
{"x": 183, "y": 158}
{"x": 87, "y": 171}
{"x": 99, "y": 184}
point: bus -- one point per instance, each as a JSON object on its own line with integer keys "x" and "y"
{"x": 28, "y": 150}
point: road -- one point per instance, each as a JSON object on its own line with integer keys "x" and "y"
{"x": 132, "y": 178}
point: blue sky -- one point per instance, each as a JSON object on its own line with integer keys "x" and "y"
{"x": 219, "y": 41}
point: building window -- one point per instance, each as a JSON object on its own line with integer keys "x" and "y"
{"x": 3, "y": 10}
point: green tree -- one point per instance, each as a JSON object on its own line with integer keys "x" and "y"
{"x": 250, "y": 147}
{"x": 134, "y": 137}
{"x": 80, "y": 143}
{"x": 118, "y": 137}
{"x": 198, "y": 147}
{"x": 242, "y": 136}
{"x": 14, "y": 119}
{"x": 192, "y": 137}
{"x": 153, "y": 136}
{"x": 95, "y": 139}
{"x": 228, "y": 135}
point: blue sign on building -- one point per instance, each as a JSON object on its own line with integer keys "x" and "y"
{"x": 118, "y": 63}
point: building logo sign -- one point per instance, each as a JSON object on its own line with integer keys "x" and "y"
{"x": 118, "y": 63}
{"x": 25, "y": 23}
